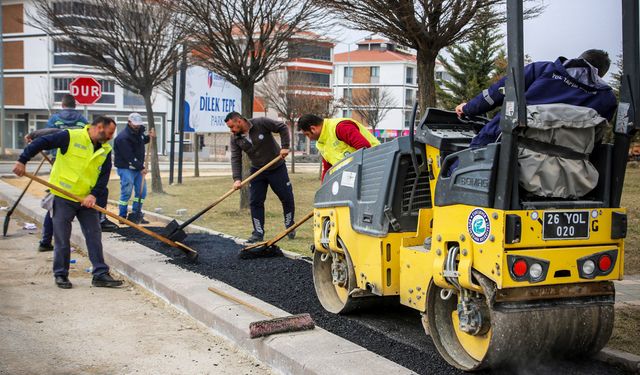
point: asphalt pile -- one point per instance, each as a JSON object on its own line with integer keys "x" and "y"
{"x": 391, "y": 331}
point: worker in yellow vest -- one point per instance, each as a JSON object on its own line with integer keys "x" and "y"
{"x": 335, "y": 138}
{"x": 82, "y": 167}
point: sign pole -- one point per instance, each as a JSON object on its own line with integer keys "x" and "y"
{"x": 86, "y": 112}
{"x": 183, "y": 80}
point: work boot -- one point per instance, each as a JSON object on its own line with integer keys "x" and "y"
{"x": 63, "y": 282}
{"x": 137, "y": 217}
{"x": 255, "y": 238}
{"x": 105, "y": 280}
{"x": 45, "y": 247}
{"x": 107, "y": 226}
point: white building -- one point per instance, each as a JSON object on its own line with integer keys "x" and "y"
{"x": 37, "y": 72}
{"x": 381, "y": 65}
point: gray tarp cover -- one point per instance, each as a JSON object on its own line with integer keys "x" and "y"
{"x": 570, "y": 126}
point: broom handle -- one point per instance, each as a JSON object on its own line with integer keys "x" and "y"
{"x": 228, "y": 193}
{"x": 106, "y": 212}
{"x": 243, "y": 303}
{"x": 28, "y": 184}
{"x": 281, "y": 235}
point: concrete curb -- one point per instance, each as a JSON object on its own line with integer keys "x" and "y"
{"x": 311, "y": 352}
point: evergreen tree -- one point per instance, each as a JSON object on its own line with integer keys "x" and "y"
{"x": 472, "y": 67}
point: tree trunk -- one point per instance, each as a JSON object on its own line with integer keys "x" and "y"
{"x": 247, "y": 112}
{"x": 293, "y": 148}
{"x": 426, "y": 80}
{"x": 156, "y": 181}
{"x": 196, "y": 158}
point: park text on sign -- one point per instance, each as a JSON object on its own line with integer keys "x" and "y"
{"x": 86, "y": 90}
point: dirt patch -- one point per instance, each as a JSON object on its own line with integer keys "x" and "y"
{"x": 626, "y": 331}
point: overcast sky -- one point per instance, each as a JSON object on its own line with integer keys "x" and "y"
{"x": 565, "y": 28}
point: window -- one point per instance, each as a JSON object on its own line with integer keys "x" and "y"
{"x": 375, "y": 74}
{"x": 309, "y": 51}
{"x": 296, "y": 78}
{"x": 348, "y": 74}
{"x": 61, "y": 87}
{"x": 410, "y": 97}
{"x": 130, "y": 98}
{"x": 410, "y": 79}
{"x": 63, "y": 53}
{"x": 374, "y": 92}
{"x": 41, "y": 121}
{"x": 16, "y": 127}
{"x": 347, "y": 94}
{"x": 77, "y": 13}
{"x": 347, "y": 113}
{"x": 407, "y": 118}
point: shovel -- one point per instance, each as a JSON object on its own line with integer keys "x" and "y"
{"x": 7, "y": 218}
{"x": 291, "y": 323}
{"x": 175, "y": 231}
{"x": 271, "y": 242}
{"x": 189, "y": 252}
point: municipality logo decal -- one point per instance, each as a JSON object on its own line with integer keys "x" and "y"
{"x": 478, "y": 225}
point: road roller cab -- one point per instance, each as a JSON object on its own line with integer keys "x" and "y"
{"x": 499, "y": 274}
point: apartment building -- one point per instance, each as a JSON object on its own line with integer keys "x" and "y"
{"x": 378, "y": 67}
{"x": 38, "y": 70}
{"x": 308, "y": 74}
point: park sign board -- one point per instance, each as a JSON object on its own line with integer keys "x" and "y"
{"x": 86, "y": 90}
{"x": 208, "y": 98}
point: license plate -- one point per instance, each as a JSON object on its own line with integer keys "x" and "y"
{"x": 563, "y": 225}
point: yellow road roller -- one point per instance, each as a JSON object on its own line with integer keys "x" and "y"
{"x": 499, "y": 274}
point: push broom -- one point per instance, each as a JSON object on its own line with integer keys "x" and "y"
{"x": 262, "y": 328}
{"x": 189, "y": 252}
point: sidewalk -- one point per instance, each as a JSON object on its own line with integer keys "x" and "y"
{"x": 628, "y": 291}
{"x": 47, "y": 330}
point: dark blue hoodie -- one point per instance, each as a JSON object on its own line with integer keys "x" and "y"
{"x": 67, "y": 119}
{"x": 564, "y": 81}
{"x": 128, "y": 149}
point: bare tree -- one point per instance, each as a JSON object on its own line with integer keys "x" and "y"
{"x": 424, "y": 25}
{"x": 371, "y": 105}
{"x": 291, "y": 96}
{"x": 135, "y": 42}
{"x": 244, "y": 40}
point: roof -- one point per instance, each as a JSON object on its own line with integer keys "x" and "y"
{"x": 376, "y": 55}
{"x": 372, "y": 41}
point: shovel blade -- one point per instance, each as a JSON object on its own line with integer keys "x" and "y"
{"x": 5, "y": 227}
{"x": 174, "y": 232}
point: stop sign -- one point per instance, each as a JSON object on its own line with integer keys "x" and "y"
{"x": 86, "y": 90}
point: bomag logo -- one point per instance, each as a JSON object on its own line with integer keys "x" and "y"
{"x": 473, "y": 181}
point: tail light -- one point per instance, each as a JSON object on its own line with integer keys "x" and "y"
{"x": 529, "y": 269}
{"x": 598, "y": 264}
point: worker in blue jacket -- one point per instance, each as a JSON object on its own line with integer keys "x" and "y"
{"x": 568, "y": 81}
{"x": 129, "y": 154}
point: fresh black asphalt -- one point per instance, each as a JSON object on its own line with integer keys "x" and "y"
{"x": 392, "y": 331}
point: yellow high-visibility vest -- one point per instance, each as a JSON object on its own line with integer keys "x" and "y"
{"x": 331, "y": 148}
{"x": 78, "y": 169}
